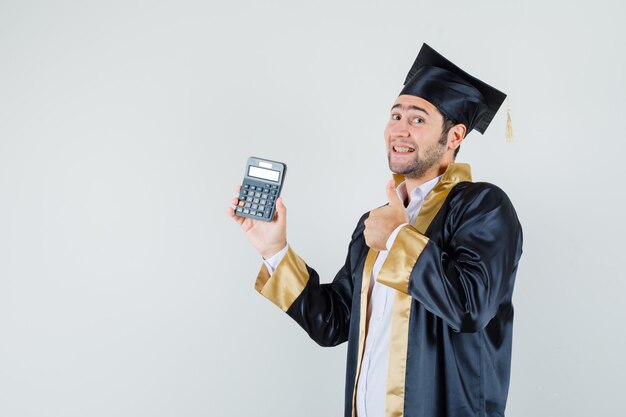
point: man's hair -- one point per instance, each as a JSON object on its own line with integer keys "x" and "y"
{"x": 445, "y": 128}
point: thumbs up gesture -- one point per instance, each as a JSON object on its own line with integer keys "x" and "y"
{"x": 382, "y": 221}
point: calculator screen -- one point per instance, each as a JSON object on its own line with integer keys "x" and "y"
{"x": 266, "y": 174}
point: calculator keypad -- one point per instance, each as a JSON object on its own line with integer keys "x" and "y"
{"x": 257, "y": 200}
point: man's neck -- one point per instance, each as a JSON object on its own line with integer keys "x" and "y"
{"x": 413, "y": 183}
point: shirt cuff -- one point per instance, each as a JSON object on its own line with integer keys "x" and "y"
{"x": 272, "y": 262}
{"x": 393, "y": 235}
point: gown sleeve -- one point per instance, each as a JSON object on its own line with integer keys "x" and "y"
{"x": 464, "y": 276}
{"x": 322, "y": 310}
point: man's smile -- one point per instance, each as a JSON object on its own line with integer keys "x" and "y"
{"x": 402, "y": 149}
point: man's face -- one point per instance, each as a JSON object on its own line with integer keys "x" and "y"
{"x": 414, "y": 137}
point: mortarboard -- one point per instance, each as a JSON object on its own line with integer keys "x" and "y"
{"x": 458, "y": 95}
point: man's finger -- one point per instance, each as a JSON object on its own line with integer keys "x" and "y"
{"x": 281, "y": 210}
{"x": 280, "y": 205}
{"x": 392, "y": 195}
{"x": 231, "y": 213}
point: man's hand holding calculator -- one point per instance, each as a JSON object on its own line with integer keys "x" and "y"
{"x": 268, "y": 238}
{"x": 258, "y": 209}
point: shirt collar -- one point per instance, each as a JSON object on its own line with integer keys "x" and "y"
{"x": 419, "y": 193}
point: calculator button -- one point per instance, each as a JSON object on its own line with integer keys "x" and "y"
{"x": 266, "y": 190}
{"x": 259, "y": 213}
{"x": 246, "y": 211}
{"x": 267, "y": 185}
{"x": 246, "y": 186}
{"x": 274, "y": 192}
{"x": 247, "y": 205}
{"x": 255, "y": 206}
{"x": 252, "y": 187}
{"x": 253, "y": 212}
{"x": 250, "y": 192}
{"x": 239, "y": 210}
{"x": 257, "y": 194}
{"x": 264, "y": 195}
{"x": 256, "y": 200}
{"x": 272, "y": 197}
{"x": 241, "y": 203}
{"x": 267, "y": 214}
{"x": 248, "y": 199}
{"x": 263, "y": 201}
{"x": 261, "y": 208}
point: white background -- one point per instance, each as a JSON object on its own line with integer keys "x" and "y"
{"x": 125, "y": 290}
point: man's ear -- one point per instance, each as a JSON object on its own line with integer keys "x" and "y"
{"x": 456, "y": 135}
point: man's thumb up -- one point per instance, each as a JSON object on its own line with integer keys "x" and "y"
{"x": 383, "y": 220}
{"x": 392, "y": 195}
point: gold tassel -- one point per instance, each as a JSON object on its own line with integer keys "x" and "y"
{"x": 509, "y": 125}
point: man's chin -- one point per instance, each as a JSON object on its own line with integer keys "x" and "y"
{"x": 400, "y": 169}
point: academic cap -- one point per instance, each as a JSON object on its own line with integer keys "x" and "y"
{"x": 458, "y": 95}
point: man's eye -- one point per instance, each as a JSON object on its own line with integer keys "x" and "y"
{"x": 418, "y": 120}
{"x": 395, "y": 117}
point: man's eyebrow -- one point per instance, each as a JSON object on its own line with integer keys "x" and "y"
{"x": 410, "y": 107}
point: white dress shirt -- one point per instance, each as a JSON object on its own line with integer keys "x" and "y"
{"x": 372, "y": 383}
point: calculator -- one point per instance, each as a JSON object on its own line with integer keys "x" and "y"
{"x": 262, "y": 183}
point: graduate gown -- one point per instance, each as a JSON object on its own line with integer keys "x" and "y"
{"x": 453, "y": 270}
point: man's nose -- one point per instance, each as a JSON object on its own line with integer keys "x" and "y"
{"x": 400, "y": 129}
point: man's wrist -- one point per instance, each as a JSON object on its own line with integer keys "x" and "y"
{"x": 269, "y": 252}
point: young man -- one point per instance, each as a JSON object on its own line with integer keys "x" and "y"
{"x": 424, "y": 297}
